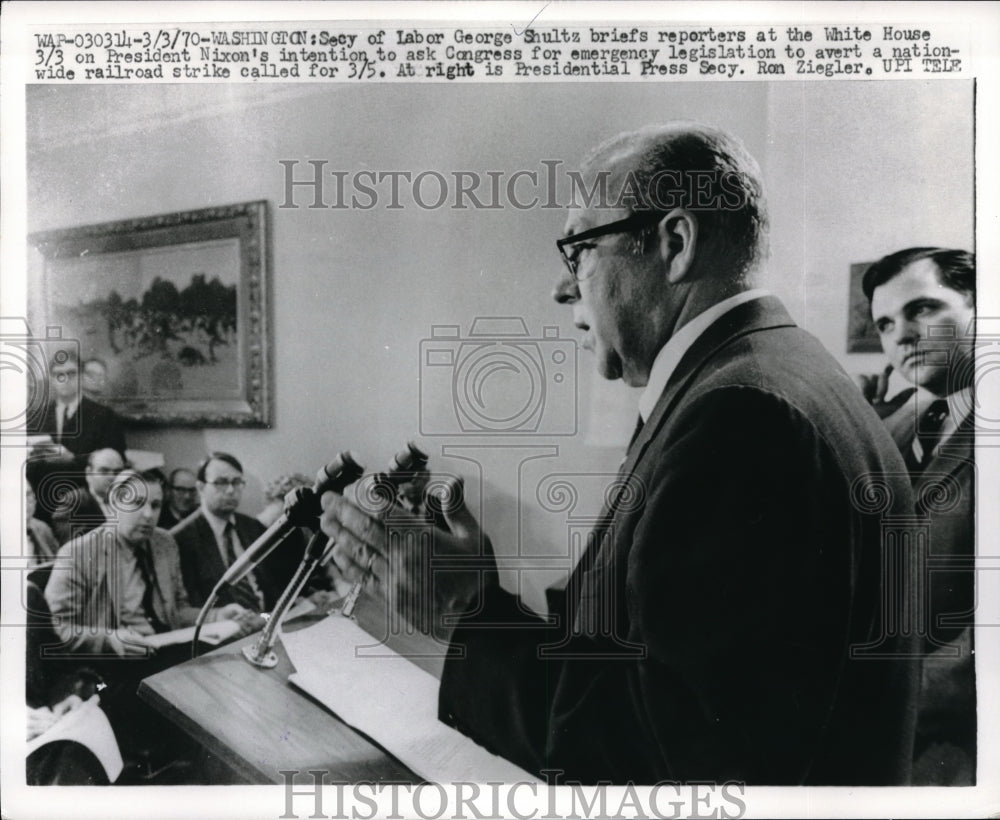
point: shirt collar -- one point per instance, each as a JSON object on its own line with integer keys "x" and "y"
{"x": 673, "y": 351}
{"x": 69, "y": 407}
{"x": 959, "y": 404}
{"x": 217, "y": 524}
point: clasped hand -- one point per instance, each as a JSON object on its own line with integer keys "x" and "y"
{"x": 424, "y": 578}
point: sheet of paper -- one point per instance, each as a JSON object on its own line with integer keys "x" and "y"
{"x": 391, "y": 700}
{"x": 88, "y": 726}
{"x": 213, "y": 634}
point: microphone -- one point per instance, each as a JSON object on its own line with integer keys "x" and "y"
{"x": 383, "y": 493}
{"x": 302, "y": 508}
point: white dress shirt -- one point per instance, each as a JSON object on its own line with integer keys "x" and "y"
{"x": 673, "y": 351}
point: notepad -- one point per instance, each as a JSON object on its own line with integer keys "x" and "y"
{"x": 391, "y": 700}
{"x": 88, "y": 726}
{"x": 212, "y": 634}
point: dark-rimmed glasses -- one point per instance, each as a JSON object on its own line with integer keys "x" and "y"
{"x": 629, "y": 223}
{"x": 223, "y": 484}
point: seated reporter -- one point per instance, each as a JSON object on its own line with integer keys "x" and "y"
{"x": 117, "y": 584}
{"x": 110, "y": 590}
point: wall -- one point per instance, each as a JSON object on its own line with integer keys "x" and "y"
{"x": 854, "y": 170}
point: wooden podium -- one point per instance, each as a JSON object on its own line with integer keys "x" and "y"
{"x": 259, "y": 724}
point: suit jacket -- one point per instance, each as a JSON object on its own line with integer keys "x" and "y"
{"x": 202, "y": 565}
{"x": 45, "y": 542}
{"x": 78, "y": 515}
{"x": 85, "y": 607}
{"x": 706, "y": 630}
{"x": 93, "y": 427}
{"x": 945, "y": 491}
{"x": 167, "y": 518}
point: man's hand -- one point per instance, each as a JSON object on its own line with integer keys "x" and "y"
{"x": 422, "y": 581}
{"x": 126, "y": 642}
{"x": 68, "y": 704}
{"x": 40, "y": 720}
{"x": 51, "y": 452}
{"x": 230, "y": 612}
{"x": 902, "y": 422}
{"x": 874, "y": 386}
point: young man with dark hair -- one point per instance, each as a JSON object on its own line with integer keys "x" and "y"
{"x": 923, "y": 304}
{"x": 211, "y": 540}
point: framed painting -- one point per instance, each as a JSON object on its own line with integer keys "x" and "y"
{"x": 170, "y": 312}
{"x": 861, "y": 334}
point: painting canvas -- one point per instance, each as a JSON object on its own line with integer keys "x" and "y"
{"x": 173, "y": 308}
{"x": 861, "y": 334}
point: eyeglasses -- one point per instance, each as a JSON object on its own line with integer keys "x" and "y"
{"x": 177, "y": 489}
{"x": 629, "y": 223}
{"x": 225, "y": 483}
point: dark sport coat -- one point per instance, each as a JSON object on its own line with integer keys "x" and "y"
{"x": 202, "y": 565}
{"x": 726, "y": 623}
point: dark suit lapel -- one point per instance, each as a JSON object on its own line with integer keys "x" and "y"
{"x": 161, "y": 572}
{"x": 49, "y": 421}
{"x": 212, "y": 561}
{"x": 954, "y": 455}
{"x": 245, "y": 530}
{"x": 758, "y": 314}
{"x": 73, "y": 425}
{"x": 750, "y": 317}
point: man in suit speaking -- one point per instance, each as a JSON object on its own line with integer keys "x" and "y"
{"x": 725, "y": 621}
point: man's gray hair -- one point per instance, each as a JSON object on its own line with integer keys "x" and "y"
{"x": 701, "y": 168}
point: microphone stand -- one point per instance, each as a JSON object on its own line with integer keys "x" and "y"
{"x": 260, "y": 653}
{"x": 302, "y": 508}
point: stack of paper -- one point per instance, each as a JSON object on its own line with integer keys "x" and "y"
{"x": 391, "y": 700}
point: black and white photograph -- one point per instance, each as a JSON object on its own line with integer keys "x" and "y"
{"x": 540, "y": 410}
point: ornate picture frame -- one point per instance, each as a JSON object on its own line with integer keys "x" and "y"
{"x": 861, "y": 334}
{"x": 175, "y": 307}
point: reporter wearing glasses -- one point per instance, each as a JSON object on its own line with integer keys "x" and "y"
{"x": 217, "y": 534}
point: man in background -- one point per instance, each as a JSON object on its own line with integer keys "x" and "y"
{"x": 78, "y": 425}
{"x": 923, "y": 304}
{"x": 42, "y": 542}
{"x": 182, "y": 498}
{"x": 114, "y": 588}
{"x": 95, "y": 379}
{"x": 85, "y": 509}
{"x": 218, "y": 535}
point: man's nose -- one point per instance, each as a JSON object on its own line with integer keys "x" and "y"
{"x": 566, "y": 290}
{"x": 906, "y": 332}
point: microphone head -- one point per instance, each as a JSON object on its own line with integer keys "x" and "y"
{"x": 336, "y": 475}
{"x": 411, "y": 459}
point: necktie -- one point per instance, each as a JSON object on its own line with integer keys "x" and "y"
{"x": 145, "y": 563}
{"x": 928, "y": 434}
{"x": 247, "y": 592}
{"x": 60, "y": 421}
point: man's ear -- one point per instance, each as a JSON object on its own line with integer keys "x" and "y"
{"x": 678, "y": 237}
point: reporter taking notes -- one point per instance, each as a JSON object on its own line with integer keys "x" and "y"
{"x": 726, "y": 621}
